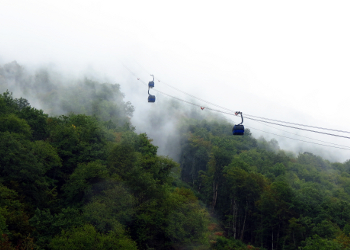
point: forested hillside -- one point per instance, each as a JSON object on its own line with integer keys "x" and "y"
{"x": 80, "y": 177}
{"x": 265, "y": 196}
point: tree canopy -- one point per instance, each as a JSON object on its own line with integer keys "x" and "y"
{"x": 80, "y": 177}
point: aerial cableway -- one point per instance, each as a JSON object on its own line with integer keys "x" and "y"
{"x": 238, "y": 129}
{"x": 151, "y": 98}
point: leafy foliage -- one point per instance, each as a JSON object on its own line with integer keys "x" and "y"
{"x": 81, "y": 178}
{"x": 263, "y": 195}
{"x": 82, "y": 182}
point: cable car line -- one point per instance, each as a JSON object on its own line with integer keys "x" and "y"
{"x": 253, "y": 118}
{"x": 220, "y": 111}
{"x": 301, "y": 140}
{"x": 194, "y": 96}
{"x": 191, "y": 103}
{"x": 307, "y": 137}
{"x": 159, "y": 80}
{"x": 342, "y": 131}
{"x": 309, "y": 130}
{"x": 249, "y": 117}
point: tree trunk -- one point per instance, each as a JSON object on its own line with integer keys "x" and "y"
{"x": 278, "y": 234}
{"x": 215, "y": 194}
{"x": 245, "y": 217}
{"x": 294, "y": 238}
{"x": 262, "y": 230}
{"x": 272, "y": 239}
{"x": 234, "y": 218}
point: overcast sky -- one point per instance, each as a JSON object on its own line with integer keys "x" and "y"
{"x": 285, "y": 60}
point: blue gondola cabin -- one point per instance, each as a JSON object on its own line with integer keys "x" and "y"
{"x": 151, "y": 98}
{"x": 238, "y": 129}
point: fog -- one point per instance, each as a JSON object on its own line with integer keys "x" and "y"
{"x": 284, "y": 61}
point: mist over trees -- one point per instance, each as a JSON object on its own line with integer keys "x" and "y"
{"x": 74, "y": 174}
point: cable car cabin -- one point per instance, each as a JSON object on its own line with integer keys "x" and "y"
{"x": 151, "y": 84}
{"x": 238, "y": 129}
{"x": 151, "y": 98}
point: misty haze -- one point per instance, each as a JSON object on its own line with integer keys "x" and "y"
{"x": 90, "y": 160}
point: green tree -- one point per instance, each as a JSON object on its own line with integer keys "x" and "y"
{"x": 83, "y": 178}
{"x": 13, "y": 124}
{"x": 13, "y": 218}
{"x": 47, "y": 225}
{"x": 187, "y": 220}
{"x": 78, "y": 139}
{"x": 109, "y": 209}
{"x": 318, "y": 243}
{"x": 21, "y": 169}
{"x": 86, "y": 237}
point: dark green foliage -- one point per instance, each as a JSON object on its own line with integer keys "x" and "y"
{"x": 83, "y": 178}
{"x": 78, "y": 139}
{"x": 187, "y": 220}
{"x": 223, "y": 243}
{"x": 263, "y": 195}
{"x": 318, "y": 243}
{"x": 36, "y": 119}
{"x": 109, "y": 209}
{"x": 13, "y": 218}
{"x": 86, "y": 180}
{"x": 17, "y": 114}
{"x": 86, "y": 237}
{"x": 13, "y": 124}
{"x": 22, "y": 170}
{"x": 47, "y": 225}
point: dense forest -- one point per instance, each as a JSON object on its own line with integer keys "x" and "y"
{"x": 78, "y": 176}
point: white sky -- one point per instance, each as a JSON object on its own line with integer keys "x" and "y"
{"x": 286, "y": 60}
